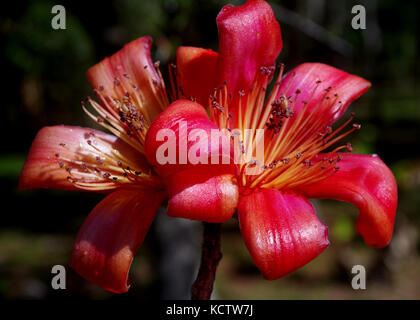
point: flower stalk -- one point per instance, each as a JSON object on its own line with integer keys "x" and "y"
{"x": 210, "y": 258}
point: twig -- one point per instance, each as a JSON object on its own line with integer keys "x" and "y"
{"x": 210, "y": 257}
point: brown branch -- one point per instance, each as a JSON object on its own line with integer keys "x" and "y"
{"x": 210, "y": 257}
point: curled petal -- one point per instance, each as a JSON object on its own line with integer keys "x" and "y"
{"x": 182, "y": 136}
{"x": 368, "y": 183}
{"x": 249, "y": 38}
{"x": 110, "y": 236}
{"x": 206, "y": 195}
{"x": 325, "y": 90}
{"x": 196, "y": 75}
{"x": 61, "y": 154}
{"x": 130, "y": 71}
{"x": 280, "y": 230}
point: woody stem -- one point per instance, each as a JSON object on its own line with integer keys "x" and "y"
{"x": 210, "y": 257}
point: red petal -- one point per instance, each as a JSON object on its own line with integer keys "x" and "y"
{"x": 194, "y": 117}
{"x": 304, "y": 79}
{"x": 368, "y": 183}
{"x": 196, "y": 72}
{"x": 249, "y": 38}
{"x": 281, "y": 231}
{"x": 54, "y": 144}
{"x": 209, "y": 195}
{"x": 130, "y": 70}
{"x": 110, "y": 236}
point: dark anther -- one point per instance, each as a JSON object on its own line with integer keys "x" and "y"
{"x": 217, "y": 106}
{"x": 281, "y": 109}
{"x": 99, "y": 160}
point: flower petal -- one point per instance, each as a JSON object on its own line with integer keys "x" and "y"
{"x": 196, "y": 72}
{"x": 131, "y": 71}
{"x": 194, "y": 159}
{"x": 209, "y": 195}
{"x": 281, "y": 230}
{"x": 110, "y": 236}
{"x": 249, "y": 38}
{"x": 303, "y": 86}
{"x": 190, "y": 138}
{"x": 368, "y": 183}
{"x": 60, "y": 152}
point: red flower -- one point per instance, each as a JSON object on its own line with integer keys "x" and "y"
{"x": 269, "y": 193}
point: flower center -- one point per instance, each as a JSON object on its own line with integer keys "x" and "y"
{"x": 123, "y": 111}
{"x": 292, "y": 139}
{"x": 97, "y": 164}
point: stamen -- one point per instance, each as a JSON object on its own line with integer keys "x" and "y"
{"x": 291, "y": 141}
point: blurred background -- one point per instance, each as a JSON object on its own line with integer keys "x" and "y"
{"x": 44, "y": 81}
